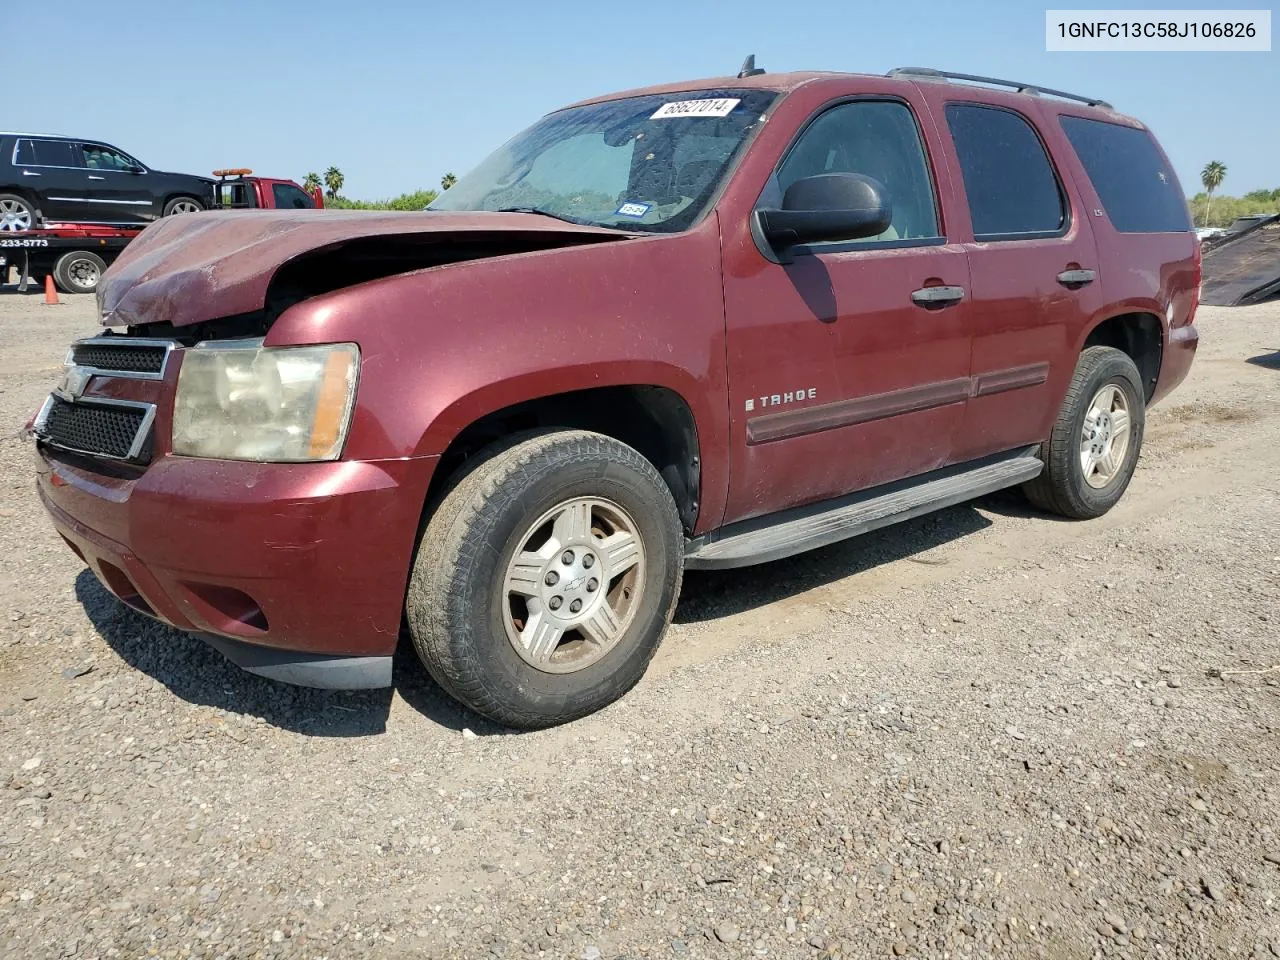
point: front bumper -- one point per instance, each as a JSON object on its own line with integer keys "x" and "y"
{"x": 286, "y": 568}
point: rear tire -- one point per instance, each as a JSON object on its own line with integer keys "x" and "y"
{"x": 546, "y": 578}
{"x": 78, "y": 271}
{"x": 1091, "y": 455}
{"x": 182, "y": 205}
{"x": 17, "y": 213}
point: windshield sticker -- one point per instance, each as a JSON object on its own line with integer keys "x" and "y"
{"x": 636, "y": 210}
{"x": 696, "y": 108}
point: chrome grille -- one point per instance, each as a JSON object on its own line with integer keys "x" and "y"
{"x": 123, "y": 356}
{"x": 115, "y": 429}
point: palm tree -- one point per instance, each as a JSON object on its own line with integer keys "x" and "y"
{"x": 311, "y": 182}
{"x": 448, "y": 180}
{"x": 1211, "y": 176}
{"x": 333, "y": 180}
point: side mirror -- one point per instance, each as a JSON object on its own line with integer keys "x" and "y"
{"x": 135, "y": 170}
{"x": 829, "y": 206}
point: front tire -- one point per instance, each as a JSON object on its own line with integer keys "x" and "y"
{"x": 1093, "y": 451}
{"x": 546, "y": 578}
{"x": 78, "y": 271}
{"x": 182, "y": 205}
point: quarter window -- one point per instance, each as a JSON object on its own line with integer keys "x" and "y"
{"x": 46, "y": 153}
{"x": 1133, "y": 180}
{"x": 1012, "y": 189}
{"x": 878, "y": 139}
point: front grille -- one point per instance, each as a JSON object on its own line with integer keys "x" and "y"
{"x": 124, "y": 357}
{"x": 93, "y": 428}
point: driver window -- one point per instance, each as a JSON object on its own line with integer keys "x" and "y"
{"x": 97, "y": 157}
{"x": 878, "y": 139}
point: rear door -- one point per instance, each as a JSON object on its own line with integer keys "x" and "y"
{"x": 50, "y": 169}
{"x": 118, "y": 186}
{"x": 1033, "y": 265}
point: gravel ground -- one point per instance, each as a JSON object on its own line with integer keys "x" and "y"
{"x": 981, "y": 733}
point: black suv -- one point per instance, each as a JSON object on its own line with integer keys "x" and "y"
{"x": 66, "y": 179}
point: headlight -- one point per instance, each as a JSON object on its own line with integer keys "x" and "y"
{"x": 239, "y": 400}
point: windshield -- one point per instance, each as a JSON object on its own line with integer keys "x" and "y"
{"x": 647, "y": 163}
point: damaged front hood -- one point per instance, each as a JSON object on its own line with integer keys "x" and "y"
{"x": 196, "y": 267}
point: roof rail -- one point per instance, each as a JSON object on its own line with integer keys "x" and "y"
{"x": 1029, "y": 88}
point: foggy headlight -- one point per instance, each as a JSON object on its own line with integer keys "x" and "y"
{"x": 239, "y": 400}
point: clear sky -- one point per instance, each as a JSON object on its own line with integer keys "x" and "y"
{"x": 396, "y": 92}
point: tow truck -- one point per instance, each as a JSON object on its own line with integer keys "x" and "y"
{"x": 238, "y": 189}
{"x": 77, "y": 254}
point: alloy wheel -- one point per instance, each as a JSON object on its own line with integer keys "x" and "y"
{"x": 15, "y": 215}
{"x": 1105, "y": 437}
{"x": 573, "y": 586}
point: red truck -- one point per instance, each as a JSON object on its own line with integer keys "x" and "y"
{"x": 77, "y": 254}
{"x": 694, "y": 326}
{"x": 237, "y": 189}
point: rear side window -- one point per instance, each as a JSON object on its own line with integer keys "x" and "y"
{"x": 1012, "y": 189}
{"x": 46, "y": 153}
{"x": 1138, "y": 190}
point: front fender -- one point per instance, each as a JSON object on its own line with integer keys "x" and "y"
{"x": 442, "y": 347}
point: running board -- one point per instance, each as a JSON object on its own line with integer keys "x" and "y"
{"x": 793, "y": 531}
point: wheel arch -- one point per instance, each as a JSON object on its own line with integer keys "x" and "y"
{"x": 1138, "y": 333}
{"x": 656, "y": 419}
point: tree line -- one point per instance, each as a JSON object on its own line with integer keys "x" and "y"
{"x": 1219, "y": 211}
{"x": 333, "y": 180}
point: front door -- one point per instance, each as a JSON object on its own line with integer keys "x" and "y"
{"x": 843, "y": 372}
{"x": 118, "y": 187}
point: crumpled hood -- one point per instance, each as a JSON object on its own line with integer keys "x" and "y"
{"x": 201, "y": 266}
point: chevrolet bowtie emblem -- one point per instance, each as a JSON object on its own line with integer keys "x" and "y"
{"x": 73, "y": 383}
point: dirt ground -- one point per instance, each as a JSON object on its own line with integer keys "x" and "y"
{"x": 982, "y": 733}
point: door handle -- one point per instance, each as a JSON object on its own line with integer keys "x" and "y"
{"x": 92, "y": 177}
{"x": 937, "y": 296}
{"x": 1077, "y": 278}
{"x": 28, "y": 173}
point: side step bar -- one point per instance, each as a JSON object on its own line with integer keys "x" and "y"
{"x": 793, "y": 531}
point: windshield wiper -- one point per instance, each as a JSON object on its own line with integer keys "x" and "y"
{"x": 547, "y": 213}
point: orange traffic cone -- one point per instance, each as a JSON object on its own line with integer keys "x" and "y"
{"x": 50, "y": 292}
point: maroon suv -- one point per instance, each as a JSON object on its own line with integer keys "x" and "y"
{"x": 701, "y": 325}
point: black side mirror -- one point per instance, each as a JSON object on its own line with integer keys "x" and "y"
{"x": 829, "y": 206}
{"x": 135, "y": 169}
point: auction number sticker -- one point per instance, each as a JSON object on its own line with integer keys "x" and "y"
{"x": 696, "y": 108}
{"x": 31, "y": 242}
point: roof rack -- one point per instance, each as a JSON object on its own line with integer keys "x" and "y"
{"x": 1028, "y": 88}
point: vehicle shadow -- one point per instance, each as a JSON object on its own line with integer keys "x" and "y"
{"x": 708, "y": 595}
{"x": 192, "y": 670}
{"x": 195, "y": 672}
{"x": 1269, "y": 360}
